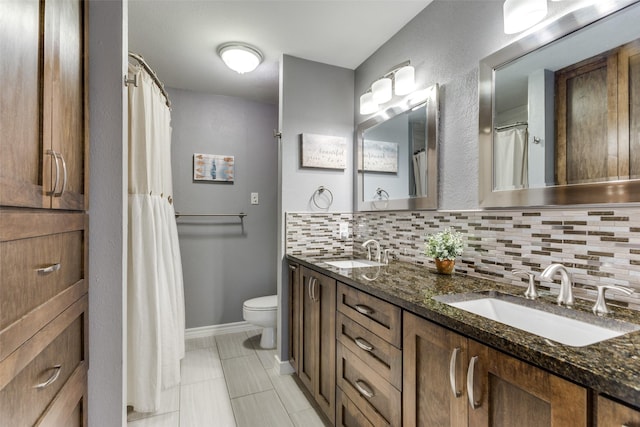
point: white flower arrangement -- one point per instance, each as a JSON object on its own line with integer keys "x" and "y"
{"x": 446, "y": 244}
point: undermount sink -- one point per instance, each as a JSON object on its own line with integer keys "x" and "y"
{"x": 353, "y": 263}
{"x": 562, "y": 325}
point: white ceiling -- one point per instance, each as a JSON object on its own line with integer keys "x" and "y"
{"x": 179, "y": 38}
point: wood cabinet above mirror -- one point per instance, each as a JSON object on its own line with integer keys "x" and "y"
{"x": 560, "y": 112}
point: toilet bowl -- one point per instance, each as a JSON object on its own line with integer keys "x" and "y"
{"x": 262, "y": 312}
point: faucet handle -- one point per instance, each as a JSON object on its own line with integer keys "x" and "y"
{"x": 531, "y": 292}
{"x": 600, "y": 307}
{"x": 385, "y": 259}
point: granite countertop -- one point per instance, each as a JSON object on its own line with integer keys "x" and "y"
{"x": 611, "y": 367}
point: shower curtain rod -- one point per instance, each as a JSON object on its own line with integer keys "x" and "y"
{"x": 152, "y": 73}
{"x": 512, "y": 125}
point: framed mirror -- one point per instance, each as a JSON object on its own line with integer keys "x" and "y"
{"x": 396, "y": 161}
{"x": 560, "y": 112}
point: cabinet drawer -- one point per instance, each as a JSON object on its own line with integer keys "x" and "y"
{"x": 41, "y": 275}
{"x": 376, "y": 315}
{"x": 348, "y": 414}
{"x": 377, "y": 399}
{"x": 377, "y": 353}
{"x": 60, "y": 344}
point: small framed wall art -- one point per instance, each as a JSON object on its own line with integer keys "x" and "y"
{"x": 213, "y": 168}
{"x": 322, "y": 151}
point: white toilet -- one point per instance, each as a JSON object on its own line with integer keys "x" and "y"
{"x": 262, "y": 311}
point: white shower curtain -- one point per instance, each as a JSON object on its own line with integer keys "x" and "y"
{"x": 510, "y": 159}
{"x": 155, "y": 299}
{"x": 420, "y": 172}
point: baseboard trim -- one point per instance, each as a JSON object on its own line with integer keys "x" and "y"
{"x": 284, "y": 368}
{"x": 226, "y": 328}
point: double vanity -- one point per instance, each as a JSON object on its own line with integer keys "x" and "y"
{"x": 398, "y": 344}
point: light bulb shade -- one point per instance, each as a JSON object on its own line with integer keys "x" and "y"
{"x": 522, "y": 14}
{"x": 367, "y": 104}
{"x": 381, "y": 90}
{"x": 405, "y": 80}
{"x": 240, "y": 57}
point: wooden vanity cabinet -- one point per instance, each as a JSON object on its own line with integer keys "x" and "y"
{"x": 451, "y": 380}
{"x": 294, "y": 314}
{"x": 614, "y": 414}
{"x": 316, "y": 358}
{"x": 43, "y": 221}
{"x": 43, "y": 105}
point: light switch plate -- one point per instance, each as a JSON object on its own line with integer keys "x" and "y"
{"x": 255, "y": 199}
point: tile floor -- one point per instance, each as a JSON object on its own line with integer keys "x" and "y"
{"x": 227, "y": 381}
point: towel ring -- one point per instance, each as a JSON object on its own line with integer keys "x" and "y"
{"x": 381, "y": 194}
{"x": 319, "y": 192}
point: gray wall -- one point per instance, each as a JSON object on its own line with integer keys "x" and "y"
{"x": 223, "y": 262}
{"x": 445, "y": 42}
{"x": 107, "y": 210}
{"x": 314, "y": 98}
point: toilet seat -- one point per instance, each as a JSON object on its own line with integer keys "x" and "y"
{"x": 268, "y": 303}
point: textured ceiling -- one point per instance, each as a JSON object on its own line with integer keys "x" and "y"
{"x": 178, "y": 38}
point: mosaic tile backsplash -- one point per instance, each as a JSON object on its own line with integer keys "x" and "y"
{"x": 599, "y": 246}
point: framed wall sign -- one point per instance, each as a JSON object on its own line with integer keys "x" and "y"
{"x": 324, "y": 152}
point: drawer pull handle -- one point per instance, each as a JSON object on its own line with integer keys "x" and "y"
{"x": 361, "y": 308}
{"x": 292, "y": 267}
{"x": 470, "y": 383}
{"x": 54, "y": 376}
{"x": 452, "y": 372}
{"x": 50, "y": 269}
{"x": 54, "y": 158}
{"x": 364, "y": 389}
{"x": 363, "y": 344}
{"x": 64, "y": 176}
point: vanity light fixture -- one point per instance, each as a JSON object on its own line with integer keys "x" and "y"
{"x": 240, "y": 57}
{"x": 400, "y": 80}
{"x": 522, "y": 14}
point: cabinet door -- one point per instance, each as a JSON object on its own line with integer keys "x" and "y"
{"x": 308, "y": 326}
{"x": 21, "y": 161}
{"x": 64, "y": 105}
{"x": 509, "y": 392}
{"x": 325, "y": 295}
{"x": 295, "y": 292}
{"x": 613, "y": 414}
{"x": 434, "y": 363}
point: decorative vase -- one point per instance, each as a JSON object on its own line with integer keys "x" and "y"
{"x": 445, "y": 266}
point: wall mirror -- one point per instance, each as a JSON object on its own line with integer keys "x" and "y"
{"x": 560, "y": 112}
{"x": 396, "y": 161}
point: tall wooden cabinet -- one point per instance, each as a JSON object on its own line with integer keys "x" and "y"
{"x": 452, "y": 380}
{"x": 43, "y": 222}
{"x": 316, "y": 358}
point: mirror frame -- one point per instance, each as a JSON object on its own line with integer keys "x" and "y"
{"x": 621, "y": 191}
{"x": 431, "y": 99}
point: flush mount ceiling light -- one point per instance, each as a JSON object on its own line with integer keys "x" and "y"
{"x": 400, "y": 80}
{"x": 240, "y": 57}
{"x": 522, "y": 14}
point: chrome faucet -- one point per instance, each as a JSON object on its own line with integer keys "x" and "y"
{"x": 566, "y": 286}
{"x": 376, "y": 244}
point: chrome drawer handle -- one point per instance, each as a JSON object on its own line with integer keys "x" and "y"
{"x": 292, "y": 267}
{"x": 470, "y": 382}
{"x": 363, "y": 344}
{"x": 452, "y": 372}
{"x": 364, "y": 389}
{"x": 56, "y": 373}
{"x": 361, "y": 308}
{"x": 64, "y": 175}
{"x": 50, "y": 269}
{"x": 55, "y": 183}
